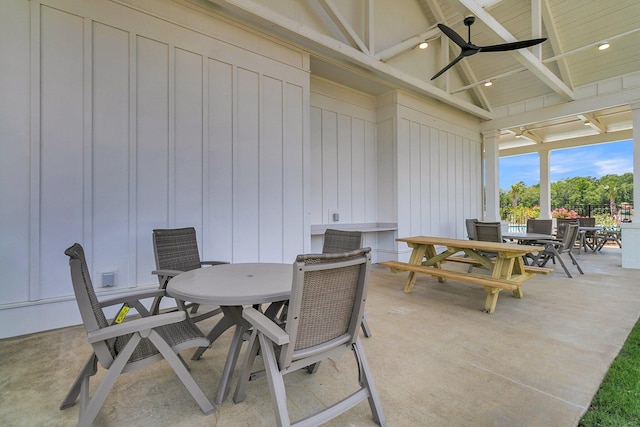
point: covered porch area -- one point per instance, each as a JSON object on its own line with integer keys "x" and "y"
{"x": 438, "y": 359}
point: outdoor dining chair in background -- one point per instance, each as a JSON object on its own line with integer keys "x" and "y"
{"x": 554, "y": 249}
{"x": 336, "y": 241}
{"x": 176, "y": 251}
{"x": 327, "y": 303}
{"x": 126, "y": 346}
{"x": 540, "y": 226}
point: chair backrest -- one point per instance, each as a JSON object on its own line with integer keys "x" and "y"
{"x": 570, "y": 235}
{"x": 489, "y": 231}
{"x": 176, "y": 249}
{"x": 561, "y": 224}
{"x": 327, "y": 303}
{"x": 92, "y": 315}
{"x": 471, "y": 228}
{"x": 541, "y": 226}
{"x": 587, "y": 222}
{"x": 341, "y": 241}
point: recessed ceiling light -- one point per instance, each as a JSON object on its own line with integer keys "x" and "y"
{"x": 604, "y": 45}
{"x": 423, "y": 45}
{"x": 488, "y": 83}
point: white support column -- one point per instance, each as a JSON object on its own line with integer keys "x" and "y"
{"x": 631, "y": 231}
{"x": 545, "y": 183}
{"x": 491, "y": 182}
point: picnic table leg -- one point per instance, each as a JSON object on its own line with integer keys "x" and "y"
{"x": 417, "y": 255}
{"x": 492, "y": 299}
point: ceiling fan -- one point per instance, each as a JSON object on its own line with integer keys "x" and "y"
{"x": 469, "y": 48}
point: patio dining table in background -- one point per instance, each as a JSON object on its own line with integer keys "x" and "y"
{"x": 231, "y": 286}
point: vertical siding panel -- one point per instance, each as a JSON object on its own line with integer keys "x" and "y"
{"x": 316, "y": 188}
{"x": 246, "y": 162}
{"x": 15, "y": 170}
{"x": 387, "y": 175}
{"x": 404, "y": 178}
{"x": 371, "y": 173}
{"x": 152, "y": 136}
{"x": 345, "y": 168}
{"x": 415, "y": 183}
{"x": 329, "y": 162}
{"x": 218, "y": 245}
{"x": 111, "y": 152}
{"x": 435, "y": 175}
{"x": 271, "y": 183}
{"x": 460, "y": 188}
{"x": 425, "y": 179}
{"x": 294, "y": 163}
{"x": 188, "y": 197}
{"x": 360, "y": 149}
{"x": 62, "y": 147}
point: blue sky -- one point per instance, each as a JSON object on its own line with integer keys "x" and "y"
{"x": 591, "y": 160}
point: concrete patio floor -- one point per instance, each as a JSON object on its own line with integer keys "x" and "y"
{"x": 437, "y": 359}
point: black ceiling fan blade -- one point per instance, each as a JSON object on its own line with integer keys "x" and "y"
{"x": 453, "y": 36}
{"x": 451, "y": 64}
{"x": 511, "y": 46}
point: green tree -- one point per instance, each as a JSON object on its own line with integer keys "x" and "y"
{"x": 516, "y": 190}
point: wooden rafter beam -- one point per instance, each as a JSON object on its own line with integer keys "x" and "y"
{"x": 524, "y": 56}
{"x": 341, "y": 22}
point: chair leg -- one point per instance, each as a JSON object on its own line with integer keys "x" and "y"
{"x": 365, "y": 327}
{"x": 247, "y": 365}
{"x": 181, "y": 371}
{"x": 89, "y": 413}
{"x": 366, "y": 381}
{"x": 575, "y": 261}
{"x": 564, "y": 267}
{"x": 276, "y": 382}
{"x": 90, "y": 369}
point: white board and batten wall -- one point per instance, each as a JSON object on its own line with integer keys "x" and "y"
{"x": 437, "y": 170}
{"x": 121, "y": 117}
{"x": 133, "y": 123}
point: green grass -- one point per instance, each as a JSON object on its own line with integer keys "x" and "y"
{"x": 617, "y": 402}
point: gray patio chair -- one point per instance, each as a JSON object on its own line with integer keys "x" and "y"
{"x": 176, "y": 251}
{"x": 126, "y": 346}
{"x": 554, "y": 249}
{"x": 540, "y": 226}
{"x": 487, "y": 232}
{"x": 587, "y": 237}
{"x": 344, "y": 241}
{"x": 470, "y": 223}
{"x": 328, "y": 295}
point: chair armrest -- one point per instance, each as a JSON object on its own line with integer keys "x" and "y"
{"x": 135, "y": 325}
{"x": 549, "y": 242}
{"x": 265, "y": 325}
{"x": 168, "y": 273}
{"x": 214, "y": 262}
{"x": 132, "y": 297}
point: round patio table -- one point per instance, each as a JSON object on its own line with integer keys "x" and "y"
{"x": 232, "y": 286}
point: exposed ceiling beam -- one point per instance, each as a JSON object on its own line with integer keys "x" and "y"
{"x": 580, "y": 106}
{"x": 327, "y": 47}
{"x": 556, "y": 45}
{"x": 369, "y": 26}
{"x": 524, "y": 56}
{"x": 344, "y": 26}
{"x": 593, "y": 122}
{"x": 407, "y": 44}
{"x": 568, "y": 143}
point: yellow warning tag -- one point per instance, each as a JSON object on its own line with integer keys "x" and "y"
{"x": 122, "y": 314}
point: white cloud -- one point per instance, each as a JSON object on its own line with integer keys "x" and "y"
{"x": 613, "y": 166}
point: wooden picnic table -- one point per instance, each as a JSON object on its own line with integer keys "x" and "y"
{"x": 507, "y": 269}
